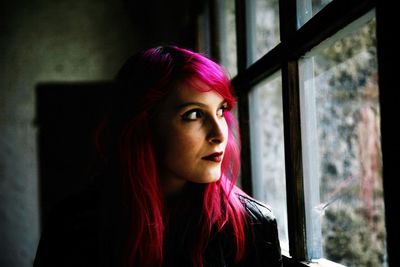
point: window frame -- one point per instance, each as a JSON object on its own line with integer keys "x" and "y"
{"x": 285, "y": 56}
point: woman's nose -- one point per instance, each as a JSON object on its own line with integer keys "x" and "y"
{"x": 216, "y": 133}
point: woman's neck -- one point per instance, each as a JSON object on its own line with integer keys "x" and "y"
{"x": 171, "y": 184}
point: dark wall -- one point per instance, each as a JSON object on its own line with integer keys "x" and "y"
{"x": 45, "y": 43}
{"x": 167, "y": 21}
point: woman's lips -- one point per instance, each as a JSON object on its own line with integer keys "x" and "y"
{"x": 215, "y": 157}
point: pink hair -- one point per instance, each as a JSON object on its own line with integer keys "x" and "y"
{"x": 143, "y": 82}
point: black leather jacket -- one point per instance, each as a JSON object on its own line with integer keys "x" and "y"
{"x": 265, "y": 251}
{"x": 71, "y": 238}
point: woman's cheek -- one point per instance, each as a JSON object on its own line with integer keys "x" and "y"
{"x": 186, "y": 141}
{"x": 175, "y": 140}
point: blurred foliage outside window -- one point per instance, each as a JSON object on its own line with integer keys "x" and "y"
{"x": 340, "y": 112}
{"x": 263, "y": 27}
{"x": 228, "y": 37}
{"x": 268, "y": 151}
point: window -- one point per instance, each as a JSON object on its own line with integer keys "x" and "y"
{"x": 313, "y": 88}
{"x": 267, "y": 149}
{"x": 263, "y": 27}
{"x": 340, "y": 115}
{"x": 306, "y": 9}
{"x": 228, "y": 36}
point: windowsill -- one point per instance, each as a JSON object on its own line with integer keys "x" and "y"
{"x": 289, "y": 262}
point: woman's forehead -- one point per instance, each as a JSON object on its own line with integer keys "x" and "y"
{"x": 187, "y": 93}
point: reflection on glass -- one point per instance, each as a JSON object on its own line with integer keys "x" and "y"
{"x": 267, "y": 149}
{"x": 342, "y": 164}
{"x": 228, "y": 38}
{"x": 263, "y": 26}
{"x": 306, "y": 9}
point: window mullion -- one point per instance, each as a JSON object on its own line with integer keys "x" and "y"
{"x": 387, "y": 49}
{"x": 243, "y": 111}
{"x": 241, "y": 35}
{"x": 292, "y": 135}
{"x": 242, "y": 94}
{"x": 293, "y": 160}
{"x": 215, "y": 29}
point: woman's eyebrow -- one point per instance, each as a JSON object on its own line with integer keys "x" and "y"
{"x": 186, "y": 104}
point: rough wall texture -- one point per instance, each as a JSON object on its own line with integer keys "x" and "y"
{"x": 45, "y": 41}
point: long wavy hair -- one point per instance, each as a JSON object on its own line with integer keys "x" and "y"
{"x": 126, "y": 143}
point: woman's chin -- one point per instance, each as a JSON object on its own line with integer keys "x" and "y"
{"x": 209, "y": 179}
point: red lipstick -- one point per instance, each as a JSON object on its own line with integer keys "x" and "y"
{"x": 216, "y": 157}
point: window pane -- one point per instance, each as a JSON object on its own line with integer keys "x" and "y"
{"x": 267, "y": 149}
{"x": 203, "y": 31}
{"x": 228, "y": 38}
{"x": 263, "y": 27}
{"x": 342, "y": 164}
{"x": 306, "y": 9}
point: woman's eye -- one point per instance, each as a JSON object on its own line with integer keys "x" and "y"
{"x": 221, "y": 111}
{"x": 192, "y": 115}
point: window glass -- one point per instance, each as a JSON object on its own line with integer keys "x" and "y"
{"x": 263, "y": 27}
{"x": 228, "y": 38}
{"x": 341, "y": 142}
{"x": 306, "y": 9}
{"x": 203, "y": 31}
{"x": 267, "y": 149}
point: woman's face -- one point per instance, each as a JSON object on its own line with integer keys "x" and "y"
{"x": 191, "y": 134}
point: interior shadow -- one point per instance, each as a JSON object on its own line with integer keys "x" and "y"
{"x": 67, "y": 115}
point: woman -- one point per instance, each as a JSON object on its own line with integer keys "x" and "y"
{"x": 171, "y": 157}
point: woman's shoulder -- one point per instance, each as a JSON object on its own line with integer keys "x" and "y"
{"x": 258, "y": 211}
{"x": 264, "y": 248}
